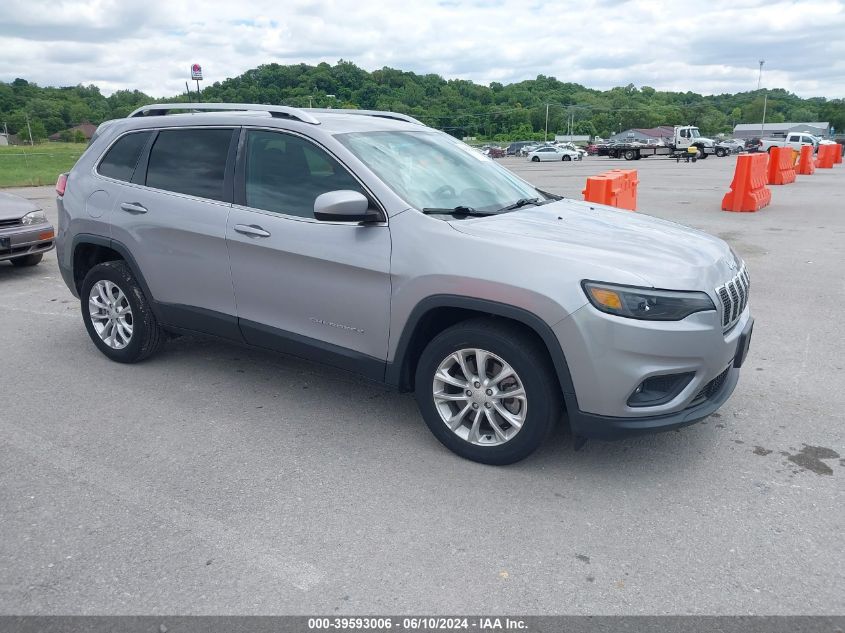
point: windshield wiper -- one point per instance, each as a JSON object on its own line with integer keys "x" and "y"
{"x": 459, "y": 210}
{"x": 552, "y": 197}
{"x": 522, "y": 202}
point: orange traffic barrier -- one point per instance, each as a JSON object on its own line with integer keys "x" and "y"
{"x": 748, "y": 189}
{"x": 781, "y": 168}
{"x": 628, "y": 192}
{"x": 805, "y": 161}
{"x": 615, "y": 188}
{"x": 825, "y": 157}
{"x": 837, "y": 155}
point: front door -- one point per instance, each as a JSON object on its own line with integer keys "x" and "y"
{"x": 315, "y": 289}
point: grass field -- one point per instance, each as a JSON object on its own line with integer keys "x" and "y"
{"x": 22, "y": 165}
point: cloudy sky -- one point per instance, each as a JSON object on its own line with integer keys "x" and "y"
{"x": 707, "y": 46}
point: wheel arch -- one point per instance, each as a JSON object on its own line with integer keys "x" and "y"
{"x": 434, "y": 314}
{"x": 89, "y": 250}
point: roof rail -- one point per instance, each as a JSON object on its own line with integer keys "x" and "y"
{"x": 376, "y": 113}
{"x": 277, "y": 111}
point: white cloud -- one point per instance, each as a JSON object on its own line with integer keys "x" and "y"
{"x": 701, "y": 46}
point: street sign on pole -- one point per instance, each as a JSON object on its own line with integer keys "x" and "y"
{"x": 196, "y": 75}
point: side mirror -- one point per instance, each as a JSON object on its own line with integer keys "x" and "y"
{"x": 344, "y": 205}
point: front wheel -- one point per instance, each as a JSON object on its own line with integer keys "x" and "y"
{"x": 535, "y": 159}
{"x": 27, "y": 260}
{"x": 117, "y": 315}
{"x": 487, "y": 391}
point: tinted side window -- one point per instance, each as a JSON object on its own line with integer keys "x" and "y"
{"x": 285, "y": 173}
{"x": 190, "y": 161}
{"x": 120, "y": 161}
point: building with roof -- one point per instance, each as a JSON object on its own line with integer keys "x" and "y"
{"x": 86, "y": 128}
{"x": 780, "y": 130}
{"x": 644, "y": 135}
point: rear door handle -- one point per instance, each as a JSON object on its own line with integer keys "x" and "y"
{"x": 252, "y": 230}
{"x": 133, "y": 207}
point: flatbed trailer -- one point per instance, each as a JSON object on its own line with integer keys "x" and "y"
{"x": 636, "y": 152}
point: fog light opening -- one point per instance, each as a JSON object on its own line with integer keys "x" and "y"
{"x": 658, "y": 390}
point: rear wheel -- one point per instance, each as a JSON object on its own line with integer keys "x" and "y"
{"x": 27, "y": 260}
{"x": 630, "y": 154}
{"x": 720, "y": 152}
{"x": 117, "y": 315}
{"x": 487, "y": 391}
{"x": 566, "y": 157}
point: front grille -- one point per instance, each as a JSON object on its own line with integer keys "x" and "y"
{"x": 4, "y": 224}
{"x": 711, "y": 388}
{"x": 734, "y": 297}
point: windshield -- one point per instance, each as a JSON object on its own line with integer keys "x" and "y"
{"x": 430, "y": 169}
{"x": 694, "y": 133}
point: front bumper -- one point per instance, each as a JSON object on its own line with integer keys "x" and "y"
{"x": 588, "y": 425}
{"x": 609, "y": 357}
{"x": 19, "y": 241}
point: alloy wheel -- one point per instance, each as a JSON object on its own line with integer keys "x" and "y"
{"x": 479, "y": 397}
{"x": 111, "y": 314}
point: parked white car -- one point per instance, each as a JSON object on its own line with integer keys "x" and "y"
{"x": 553, "y": 153}
{"x": 573, "y": 147}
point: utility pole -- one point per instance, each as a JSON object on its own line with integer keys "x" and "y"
{"x": 765, "y": 99}
{"x": 28, "y": 127}
{"x": 546, "y": 133}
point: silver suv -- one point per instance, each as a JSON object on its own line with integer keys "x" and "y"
{"x": 371, "y": 242}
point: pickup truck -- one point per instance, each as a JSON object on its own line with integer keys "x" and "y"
{"x": 794, "y": 140}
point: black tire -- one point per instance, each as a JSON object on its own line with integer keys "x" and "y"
{"x": 720, "y": 152}
{"x": 535, "y": 159}
{"x": 630, "y": 154}
{"x": 566, "y": 157}
{"x": 147, "y": 335}
{"x": 528, "y": 358}
{"x": 27, "y": 260}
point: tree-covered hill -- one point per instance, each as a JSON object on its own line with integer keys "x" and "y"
{"x": 463, "y": 108}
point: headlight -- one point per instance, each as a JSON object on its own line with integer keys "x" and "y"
{"x": 34, "y": 217}
{"x": 646, "y": 303}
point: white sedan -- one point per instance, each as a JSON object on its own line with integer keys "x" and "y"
{"x": 553, "y": 153}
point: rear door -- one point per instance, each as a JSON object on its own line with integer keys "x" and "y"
{"x": 311, "y": 288}
{"x": 172, "y": 219}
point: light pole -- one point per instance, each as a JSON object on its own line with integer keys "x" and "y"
{"x": 765, "y": 99}
{"x": 546, "y": 132}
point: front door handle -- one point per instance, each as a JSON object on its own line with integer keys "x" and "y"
{"x": 133, "y": 207}
{"x": 252, "y": 230}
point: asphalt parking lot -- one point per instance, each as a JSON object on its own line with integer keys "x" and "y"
{"x": 214, "y": 479}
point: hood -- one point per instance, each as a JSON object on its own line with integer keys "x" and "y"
{"x": 13, "y": 207}
{"x": 661, "y": 254}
